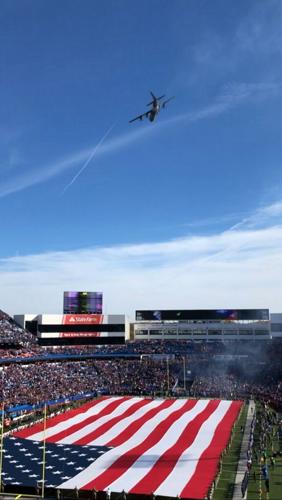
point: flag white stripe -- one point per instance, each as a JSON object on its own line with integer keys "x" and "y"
{"x": 61, "y": 426}
{"x": 146, "y": 461}
{"x": 114, "y": 431}
{"x": 125, "y": 405}
{"x": 105, "y": 461}
{"x": 188, "y": 461}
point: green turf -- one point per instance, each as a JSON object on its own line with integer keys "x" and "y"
{"x": 256, "y": 489}
{"x": 225, "y": 485}
{"x": 275, "y": 484}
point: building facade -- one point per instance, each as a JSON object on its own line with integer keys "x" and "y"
{"x": 198, "y": 325}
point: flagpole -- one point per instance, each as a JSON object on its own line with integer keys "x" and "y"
{"x": 1, "y": 444}
{"x": 167, "y": 374}
{"x": 44, "y": 452}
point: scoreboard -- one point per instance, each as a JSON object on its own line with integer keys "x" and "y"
{"x": 83, "y": 302}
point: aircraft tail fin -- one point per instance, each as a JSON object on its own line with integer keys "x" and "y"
{"x": 155, "y": 99}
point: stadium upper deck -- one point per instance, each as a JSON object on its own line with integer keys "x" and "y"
{"x": 210, "y": 324}
{"x": 198, "y": 325}
{"x": 12, "y": 335}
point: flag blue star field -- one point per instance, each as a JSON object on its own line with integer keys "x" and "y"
{"x": 170, "y": 447}
{"x": 23, "y": 461}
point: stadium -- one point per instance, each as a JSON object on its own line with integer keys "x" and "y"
{"x": 179, "y": 404}
{"x": 141, "y": 250}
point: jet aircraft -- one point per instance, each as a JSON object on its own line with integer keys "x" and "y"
{"x": 156, "y": 104}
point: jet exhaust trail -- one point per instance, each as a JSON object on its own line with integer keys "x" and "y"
{"x": 92, "y": 155}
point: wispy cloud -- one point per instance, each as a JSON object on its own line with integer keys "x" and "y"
{"x": 233, "y": 268}
{"x": 253, "y": 40}
{"x": 232, "y": 95}
{"x": 261, "y": 217}
{"x": 260, "y": 31}
{"x": 252, "y": 90}
{"x": 43, "y": 173}
{"x": 215, "y": 221}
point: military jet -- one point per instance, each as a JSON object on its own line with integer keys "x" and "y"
{"x": 155, "y": 109}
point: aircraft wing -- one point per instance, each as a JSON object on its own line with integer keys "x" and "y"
{"x": 165, "y": 102}
{"x": 140, "y": 117}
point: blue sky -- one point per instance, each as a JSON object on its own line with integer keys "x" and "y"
{"x": 205, "y": 175}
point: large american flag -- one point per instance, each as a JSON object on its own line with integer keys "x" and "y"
{"x": 170, "y": 447}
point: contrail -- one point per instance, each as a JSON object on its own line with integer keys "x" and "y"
{"x": 89, "y": 159}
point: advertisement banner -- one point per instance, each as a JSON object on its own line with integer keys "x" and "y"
{"x": 82, "y": 319}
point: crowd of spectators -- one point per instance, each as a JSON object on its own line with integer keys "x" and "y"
{"x": 32, "y": 384}
{"x": 231, "y": 387}
{"x": 13, "y": 338}
{"x": 35, "y": 383}
{"x": 150, "y": 347}
{"x": 233, "y": 370}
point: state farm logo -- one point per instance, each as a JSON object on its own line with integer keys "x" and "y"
{"x": 82, "y": 319}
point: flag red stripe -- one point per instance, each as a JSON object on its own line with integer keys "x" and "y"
{"x": 111, "y": 422}
{"x": 89, "y": 420}
{"x": 134, "y": 426}
{"x": 29, "y": 431}
{"x": 124, "y": 462}
{"x": 206, "y": 469}
{"x": 166, "y": 463}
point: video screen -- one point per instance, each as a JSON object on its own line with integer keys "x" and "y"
{"x": 203, "y": 314}
{"x": 83, "y": 302}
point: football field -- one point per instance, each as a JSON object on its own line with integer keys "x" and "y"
{"x": 171, "y": 447}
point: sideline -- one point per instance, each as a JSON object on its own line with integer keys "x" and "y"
{"x": 242, "y": 463}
